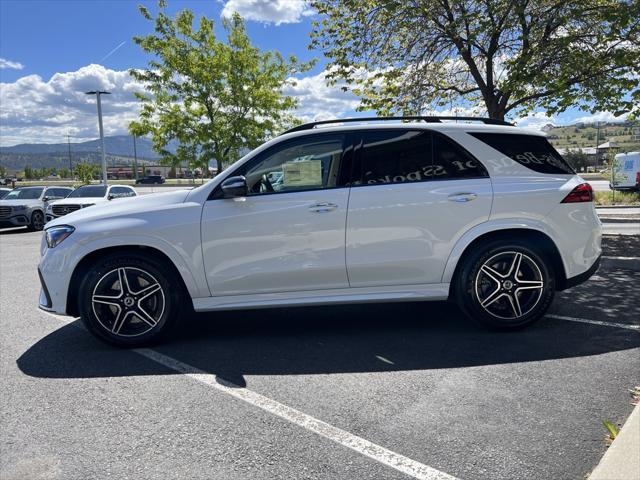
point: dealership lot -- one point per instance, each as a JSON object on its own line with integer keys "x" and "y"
{"x": 370, "y": 391}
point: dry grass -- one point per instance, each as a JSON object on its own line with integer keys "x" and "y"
{"x": 621, "y": 198}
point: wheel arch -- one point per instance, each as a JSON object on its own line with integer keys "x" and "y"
{"x": 542, "y": 240}
{"x": 85, "y": 263}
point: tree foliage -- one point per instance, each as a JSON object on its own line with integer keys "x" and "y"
{"x": 85, "y": 172}
{"x": 212, "y": 97}
{"x": 512, "y": 56}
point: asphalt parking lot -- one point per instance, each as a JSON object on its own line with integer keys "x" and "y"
{"x": 405, "y": 390}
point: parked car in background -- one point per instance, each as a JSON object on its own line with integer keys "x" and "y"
{"x": 4, "y": 192}
{"x": 487, "y": 215}
{"x": 152, "y": 179}
{"x": 87, "y": 196}
{"x": 26, "y": 206}
{"x": 627, "y": 172}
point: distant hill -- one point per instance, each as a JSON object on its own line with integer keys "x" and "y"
{"x": 120, "y": 145}
{"x": 119, "y": 150}
{"x": 581, "y": 135}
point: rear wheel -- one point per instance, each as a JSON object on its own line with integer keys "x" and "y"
{"x": 37, "y": 221}
{"x": 506, "y": 284}
{"x": 129, "y": 301}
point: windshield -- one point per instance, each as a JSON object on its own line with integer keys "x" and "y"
{"x": 32, "y": 193}
{"x": 89, "y": 191}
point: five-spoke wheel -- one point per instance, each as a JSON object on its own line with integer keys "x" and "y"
{"x": 130, "y": 300}
{"x": 505, "y": 284}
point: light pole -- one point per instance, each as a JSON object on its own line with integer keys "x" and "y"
{"x": 135, "y": 159}
{"x": 70, "y": 166}
{"x": 97, "y": 93}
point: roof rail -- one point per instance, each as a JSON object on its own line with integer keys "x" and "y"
{"x": 311, "y": 125}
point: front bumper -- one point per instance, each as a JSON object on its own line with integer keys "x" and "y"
{"x": 15, "y": 221}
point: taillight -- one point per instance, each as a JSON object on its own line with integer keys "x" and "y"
{"x": 582, "y": 193}
{"x": 638, "y": 178}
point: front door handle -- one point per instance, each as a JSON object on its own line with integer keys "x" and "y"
{"x": 462, "y": 197}
{"x": 322, "y": 207}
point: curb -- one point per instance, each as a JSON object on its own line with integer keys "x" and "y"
{"x": 616, "y": 206}
{"x": 622, "y": 458}
{"x": 628, "y": 263}
{"x": 619, "y": 219}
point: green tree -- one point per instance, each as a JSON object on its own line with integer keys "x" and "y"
{"x": 212, "y": 97}
{"x": 28, "y": 172}
{"x": 577, "y": 159}
{"x": 85, "y": 172}
{"x": 513, "y": 56}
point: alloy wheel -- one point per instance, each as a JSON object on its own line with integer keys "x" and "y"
{"x": 37, "y": 221}
{"x": 509, "y": 285}
{"x": 128, "y": 301}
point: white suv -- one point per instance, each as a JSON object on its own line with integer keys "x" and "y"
{"x": 485, "y": 214}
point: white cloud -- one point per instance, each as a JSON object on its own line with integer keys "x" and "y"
{"x": 318, "y": 101}
{"x": 39, "y": 111}
{"x": 268, "y": 11}
{"x": 4, "y": 63}
{"x": 600, "y": 117}
{"x": 34, "y": 110}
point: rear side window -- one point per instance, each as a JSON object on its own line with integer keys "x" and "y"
{"x": 396, "y": 156}
{"x": 452, "y": 161}
{"x": 532, "y": 151}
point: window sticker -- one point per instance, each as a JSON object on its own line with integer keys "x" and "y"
{"x": 305, "y": 173}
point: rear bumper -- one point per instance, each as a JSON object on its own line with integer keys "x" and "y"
{"x": 583, "y": 277}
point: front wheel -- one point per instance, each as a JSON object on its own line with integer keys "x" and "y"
{"x": 129, "y": 301}
{"x": 37, "y": 221}
{"x": 505, "y": 284}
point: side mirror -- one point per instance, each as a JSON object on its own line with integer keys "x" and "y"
{"x": 46, "y": 199}
{"x": 111, "y": 196}
{"x": 234, "y": 187}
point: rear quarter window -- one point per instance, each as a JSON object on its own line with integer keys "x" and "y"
{"x": 531, "y": 151}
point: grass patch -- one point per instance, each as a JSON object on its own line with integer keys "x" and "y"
{"x": 621, "y": 198}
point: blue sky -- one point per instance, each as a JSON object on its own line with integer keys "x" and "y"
{"x": 51, "y": 50}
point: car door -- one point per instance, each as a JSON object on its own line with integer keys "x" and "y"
{"x": 287, "y": 234}
{"x": 418, "y": 192}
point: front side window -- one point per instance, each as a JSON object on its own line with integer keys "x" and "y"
{"x": 57, "y": 192}
{"x": 395, "y": 156}
{"x": 121, "y": 192}
{"x": 532, "y": 151}
{"x": 93, "y": 191}
{"x": 312, "y": 164}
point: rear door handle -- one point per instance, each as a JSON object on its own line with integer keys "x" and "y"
{"x": 322, "y": 207}
{"x": 462, "y": 197}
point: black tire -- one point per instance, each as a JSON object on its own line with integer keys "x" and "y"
{"x": 120, "y": 321}
{"x": 490, "y": 293}
{"x": 36, "y": 222}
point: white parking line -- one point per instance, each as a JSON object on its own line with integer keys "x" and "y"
{"x": 364, "y": 447}
{"x": 595, "y": 322}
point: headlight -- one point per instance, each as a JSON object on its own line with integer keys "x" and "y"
{"x": 19, "y": 208}
{"x": 55, "y": 235}
{"x": 85, "y": 205}
{"x": 49, "y": 209}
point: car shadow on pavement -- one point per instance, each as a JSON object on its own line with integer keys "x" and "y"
{"x": 325, "y": 340}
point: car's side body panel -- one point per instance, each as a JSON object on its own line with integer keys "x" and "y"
{"x": 397, "y": 293}
{"x": 163, "y": 222}
{"x": 275, "y": 243}
{"x": 401, "y": 234}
